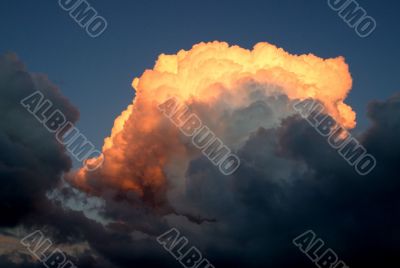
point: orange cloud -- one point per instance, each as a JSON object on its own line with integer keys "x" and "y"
{"x": 142, "y": 142}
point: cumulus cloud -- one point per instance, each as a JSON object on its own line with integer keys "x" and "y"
{"x": 226, "y": 86}
{"x": 290, "y": 180}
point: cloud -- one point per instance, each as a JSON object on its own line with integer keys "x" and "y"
{"x": 214, "y": 80}
{"x": 290, "y": 179}
{"x": 31, "y": 160}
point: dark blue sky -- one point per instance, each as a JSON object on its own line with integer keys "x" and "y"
{"x": 95, "y": 74}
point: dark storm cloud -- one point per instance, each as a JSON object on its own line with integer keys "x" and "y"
{"x": 31, "y": 160}
{"x": 290, "y": 181}
{"x": 25, "y": 263}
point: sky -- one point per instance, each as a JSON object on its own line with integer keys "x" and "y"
{"x": 96, "y": 74}
{"x": 256, "y": 131}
